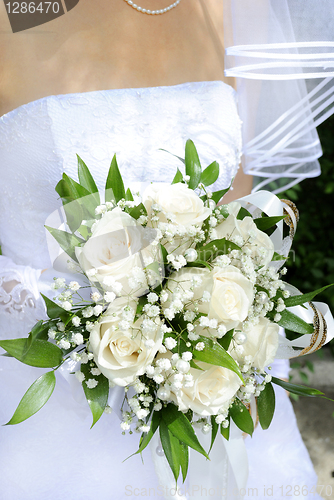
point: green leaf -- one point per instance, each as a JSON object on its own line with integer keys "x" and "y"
{"x": 171, "y": 447}
{"x": 67, "y": 241}
{"x": 218, "y": 195}
{"x": 98, "y": 397}
{"x": 266, "y": 406}
{"x": 70, "y": 189}
{"x": 114, "y": 182}
{"x": 35, "y": 398}
{"x": 184, "y": 459}
{"x": 64, "y": 190}
{"x": 292, "y": 322}
{"x": 54, "y": 310}
{"x": 142, "y": 301}
{"x": 210, "y": 174}
{"x": 298, "y": 300}
{"x": 193, "y": 165}
{"x": 226, "y": 340}
{"x": 180, "y": 427}
{"x": 74, "y": 215}
{"x": 215, "y": 248}
{"x": 178, "y": 177}
{"x": 225, "y": 431}
{"x": 214, "y": 431}
{"x": 193, "y": 365}
{"x": 39, "y": 353}
{"x": 264, "y": 223}
{"x": 200, "y": 264}
{"x": 85, "y": 177}
{"x": 137, "y": 211}
{"x": 84, "y": 231}
{"x": 243, "y": 213}
{"x": 300, "y": 390}
{"x": 128, "y": 195}
{"x": 241, "y": 417}
{"x": 214, "y": 354}
{"x": 178, "y": 157}
{"x": 278, "y": 257}
{"x": 39, "y": 331}
{"x": 146, "y": 438}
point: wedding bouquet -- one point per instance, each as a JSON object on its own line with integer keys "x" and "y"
{"x": 174, "y": 298}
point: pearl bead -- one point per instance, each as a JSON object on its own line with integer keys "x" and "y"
{"x": 182, "y": 366}
{"x": 262, "y": 297}
{"x": 160, "y": 451}
{"x": 240, "y": 338}
{"x": 190, "y": 255}
{"x": 212, "y": 204}
{"x": 163, "y": 393}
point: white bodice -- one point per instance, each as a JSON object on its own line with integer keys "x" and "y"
{"x": 39, "y": 141}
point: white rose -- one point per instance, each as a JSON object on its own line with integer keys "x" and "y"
{"x": 177, "y": 199}
{"x": 231, "y": 297}
{"x": 122, "y": 355}
{"x": 232, "y": 294}
{"x": 117, "y": 246}
{"x": 213, "y": 387}
{"x": 261, "y": 245}
{"x": 261, "y": 344}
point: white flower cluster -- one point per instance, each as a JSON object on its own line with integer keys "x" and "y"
{"x": 148, "y": 327}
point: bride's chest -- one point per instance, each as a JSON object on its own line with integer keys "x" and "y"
{"x": 40, "y": 141}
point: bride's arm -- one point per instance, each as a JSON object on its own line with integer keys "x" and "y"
{"x": 242, "y": 186}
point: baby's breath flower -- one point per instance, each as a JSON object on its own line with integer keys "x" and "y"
{"x": 199, "y": 346}
{"x": 80, "y": 376}
{"x": 74, "y": 286}
{"x": 52, "y": 333}
{"x": 76, "y": 320}
{"x": 170, "y": 343}
{"x": 95, "y": 371}
{"x": 59, "y": 283}
{"x": 64, "y": 344}
{"x": 109, "y": 296}
{"x": 152, "y": 297}
{"x": 66, "y": 305}
{"x": 187, "y": 356}
{"x": 77, "y": 338}
{"x": 89, "y": 326}
{"x": 97, "y": 310}
{"x": 91, "y": 383}
{"x": 125, "y": 426}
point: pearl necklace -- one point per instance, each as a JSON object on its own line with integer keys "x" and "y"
{"x": 152, "y": 12}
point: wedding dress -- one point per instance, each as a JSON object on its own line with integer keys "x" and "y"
{"x": 55, "y": 455}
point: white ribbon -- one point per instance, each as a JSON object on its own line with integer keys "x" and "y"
{"x": 222, "y": 477}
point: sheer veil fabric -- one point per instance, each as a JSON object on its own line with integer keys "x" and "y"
{"x": 284, "y": 74}
{"x": 282, "y": 54}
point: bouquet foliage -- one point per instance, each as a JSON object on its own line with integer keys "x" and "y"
{"x": 173, "y": 297}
